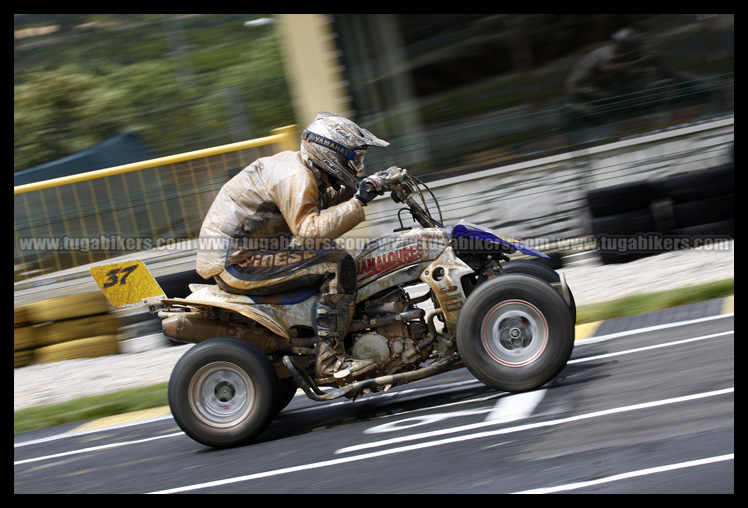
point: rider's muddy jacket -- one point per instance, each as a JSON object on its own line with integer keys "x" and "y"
{"x": 270, "y": 202}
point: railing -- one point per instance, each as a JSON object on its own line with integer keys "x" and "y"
{"x": 75, "y": 220}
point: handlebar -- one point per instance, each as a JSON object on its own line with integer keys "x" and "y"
{"x": 404, "y": 186}
{"x": 368, "y": 187}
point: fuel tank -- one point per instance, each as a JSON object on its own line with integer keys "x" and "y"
{"x": 397, "y": 258}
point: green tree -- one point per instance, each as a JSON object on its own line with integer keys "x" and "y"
{"x": 228, "y": 88}
{"x": 57, "y": 113}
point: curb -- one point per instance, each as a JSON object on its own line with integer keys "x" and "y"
{"x": 589, "y": 330}
{"x": 125, "y": 418}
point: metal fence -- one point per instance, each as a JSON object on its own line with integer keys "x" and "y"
{"x": 85, "y": 218}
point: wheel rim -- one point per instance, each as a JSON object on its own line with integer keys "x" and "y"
{"x": 221, "y": 394}
{"x": 514, "y": 333}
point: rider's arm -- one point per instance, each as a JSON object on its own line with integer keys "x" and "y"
{"x": 332, "y": 197}
{"x": 298, "y": 200}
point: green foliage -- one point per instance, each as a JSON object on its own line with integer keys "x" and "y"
{"x": 631, "y": 305}
{"x": 90, "y": 408}
{"x": 182, "y": 83}
{"x": 53, "y": 111}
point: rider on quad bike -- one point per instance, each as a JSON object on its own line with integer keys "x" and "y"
{"x": 264, "y": 233}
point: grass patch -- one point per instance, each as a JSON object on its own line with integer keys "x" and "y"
{"x": 90, "y": 408}
{"x": 639, "y": 304}
{"x": 125, "y": 401}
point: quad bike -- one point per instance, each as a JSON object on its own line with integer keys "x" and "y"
{"x": 511, "y": 323}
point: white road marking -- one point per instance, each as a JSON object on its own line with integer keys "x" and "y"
{"x": 95, "y": 448}
{"x": 456, "y": 439}
{"x": 603, "y": 338}
{"x": 515, "y": 407}
{"x": 654, "y": 346}
{"x": 88, "y": 431}
{"x": 385, "y": 395}
{"x": 630, "y": 474}
{"x": 508, "y": 408}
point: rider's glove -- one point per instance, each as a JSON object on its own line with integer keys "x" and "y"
{"x": 369, "y": 188}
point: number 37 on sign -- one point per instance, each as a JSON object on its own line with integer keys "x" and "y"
{"x": 127, "y": 284}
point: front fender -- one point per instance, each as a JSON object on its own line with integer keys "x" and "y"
{"x": 473, "y": 232}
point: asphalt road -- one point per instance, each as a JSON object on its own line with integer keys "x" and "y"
{"x": 646, "y": 406}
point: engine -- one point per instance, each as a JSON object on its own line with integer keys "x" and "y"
{"x": 392, "y": 332}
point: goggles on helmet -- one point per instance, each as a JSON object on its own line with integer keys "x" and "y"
{"x": 355, "y": 157}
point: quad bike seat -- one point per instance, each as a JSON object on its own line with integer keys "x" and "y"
{"x": 291, "y": 297}
{"x": 286, "y": 298}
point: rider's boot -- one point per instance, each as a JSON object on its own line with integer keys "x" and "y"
{"x": 332, "y": 313}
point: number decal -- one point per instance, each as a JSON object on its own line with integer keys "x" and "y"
{"x": 113, "y": 279}
{"x": 127, "y": 271}
{"x": 127, "y": 284}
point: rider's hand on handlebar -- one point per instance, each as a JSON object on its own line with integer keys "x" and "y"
{"x": 375, "y": 185}
{"x": 369, "y": 188}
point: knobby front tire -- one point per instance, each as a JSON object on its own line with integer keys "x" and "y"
{"x": 515, "y": 333}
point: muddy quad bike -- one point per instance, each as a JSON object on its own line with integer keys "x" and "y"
{"x": 511, "y": 323}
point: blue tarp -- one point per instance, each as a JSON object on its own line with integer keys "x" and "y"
{"x": 118, "y": 150}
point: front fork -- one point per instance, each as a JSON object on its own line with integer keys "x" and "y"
{"x": 493, "y": 268}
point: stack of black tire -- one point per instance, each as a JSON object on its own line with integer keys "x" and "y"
{"x": 685, "y": 210}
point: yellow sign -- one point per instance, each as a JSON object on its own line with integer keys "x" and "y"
{"x": 126, "y": 284}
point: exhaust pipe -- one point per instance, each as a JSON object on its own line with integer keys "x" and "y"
{"x": 313, "y": 392}
{"x": 189, "y": 328}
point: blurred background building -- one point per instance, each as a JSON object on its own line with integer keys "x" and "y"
{"x": 460, "y": 92}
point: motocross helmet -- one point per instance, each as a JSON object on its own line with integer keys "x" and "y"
{"x": 627, "y": 40}
{"x": 337, "y": 146}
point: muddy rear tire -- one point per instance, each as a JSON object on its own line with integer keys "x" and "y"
{"x": 223, "y": 392}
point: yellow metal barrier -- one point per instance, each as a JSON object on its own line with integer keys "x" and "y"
{"x": 66, "y": 222}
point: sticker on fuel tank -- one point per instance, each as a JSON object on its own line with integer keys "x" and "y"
{"x": 369, "y": 267}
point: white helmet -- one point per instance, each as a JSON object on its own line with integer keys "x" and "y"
{"x": 337, "y": 146}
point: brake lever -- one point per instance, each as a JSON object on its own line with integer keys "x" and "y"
{"x": 394, "y": 175}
